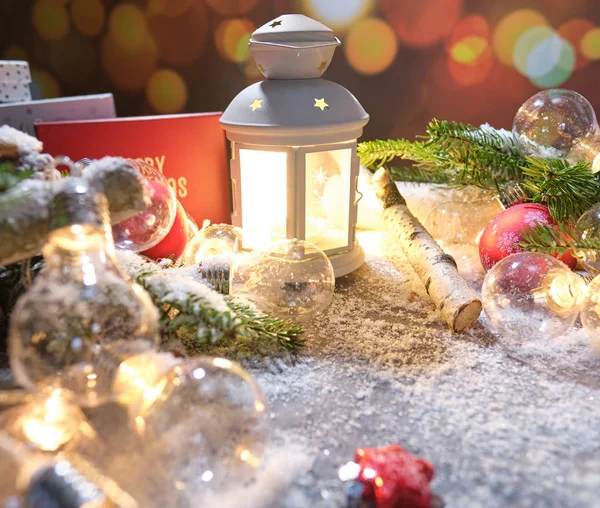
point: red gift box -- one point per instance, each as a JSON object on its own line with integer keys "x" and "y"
{"x": 190, "y": 150}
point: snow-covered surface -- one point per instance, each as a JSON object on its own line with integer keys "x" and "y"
{"x": 505, "y": 425}
{"x": 21, "y": 141}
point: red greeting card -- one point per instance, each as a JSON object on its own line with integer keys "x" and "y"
{"x": 190, "y": 150}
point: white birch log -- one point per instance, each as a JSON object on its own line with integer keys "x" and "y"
{"x": 458, "y": 304}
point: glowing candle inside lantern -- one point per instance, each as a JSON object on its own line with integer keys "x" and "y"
{"x": 264, "y": 196}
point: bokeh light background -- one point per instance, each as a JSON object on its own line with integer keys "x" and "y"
{"x": 407, "y": 61}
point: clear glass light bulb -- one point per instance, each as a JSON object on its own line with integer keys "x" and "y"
{"x": 68, "y": 480}
{"x": 213, "y": 240}
{"x": 208, "y": 425}
{"x": 292, "y": 279}
{"x": 530, "y": 294}
{"x": 589, "y": 223}
{"x": 558, "y": 124}
{"x": 82, "y": 315}
{"x": 148, "y": 228}
{"x": 48, "y": 422}
{"x": 590, "y": 312}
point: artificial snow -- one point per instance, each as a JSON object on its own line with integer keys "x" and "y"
{"x": 505, "y": 424}
{"x": 23, "y": 142}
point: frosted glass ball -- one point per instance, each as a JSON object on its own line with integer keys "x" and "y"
{"x": 590, "y": 312}
{"x": 530, "y": 295}
{"x": 208, "y": 425}
{"x": 459, "y": 222}
{"x": 213, "y": 240}
{"x": 589, "y": 224}
{"x": 553, "y": 123}
{"x": 292, "y": 279}
{"x": 148, "y": 228}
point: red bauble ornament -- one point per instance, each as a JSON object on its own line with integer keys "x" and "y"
{"x": 393, "y": 477}
{"x": 502, "y": 235}
{"x": 176, "y": 240}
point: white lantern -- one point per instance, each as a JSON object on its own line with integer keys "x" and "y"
{"x": 294, "y": 167}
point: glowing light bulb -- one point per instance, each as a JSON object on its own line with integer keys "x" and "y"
{"x": 558, "y": 124}
{"x": 47, "y": 423}
{"x": 141, "y": 379}
{"x": 590, "y": 312}
{"x": 208, "y": 427}
{"x": 82, "y": 316}
{"x": 528, "y": 294}
{"x": 589, "y": 224}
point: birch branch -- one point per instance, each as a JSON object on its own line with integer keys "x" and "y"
{"x": 458, "y": 304}
{"x": 25, "y": 208}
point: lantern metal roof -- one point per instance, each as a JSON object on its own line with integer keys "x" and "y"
{"x": 293, "y": 28}
{"x": 294, "y": 106}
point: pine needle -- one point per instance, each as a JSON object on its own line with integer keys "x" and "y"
{"x": 451, "y": 153}
{"x": 194, "y": 315}
{"x": 9, "y": 176}
{"x": 568, "y": 190}
{"x": 456, "y": 154}
{"x": 556, "y": 240}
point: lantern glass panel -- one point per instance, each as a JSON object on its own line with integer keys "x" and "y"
{"x": 328, "y": 198}
{"x": 263, "y": 177}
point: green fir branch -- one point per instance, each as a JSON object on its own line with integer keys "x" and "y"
{"x": 456, "y": 154}
{"x": 9, "y": 176}
{"x": 452, "y": 153}
{"x": 377, "y": 153}
{"x": 193, "y": 315}
{"x": 556, "y": 240}
{"x": 444, "y": 131}
{"x": 567, "y": 190}
{"x": 255, "y": 326}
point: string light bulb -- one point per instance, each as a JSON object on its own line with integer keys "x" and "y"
{"x": 82, "y": 316}
{"x": 529, "y": 294}
{"x": 47, "y": 423}
{"x": 207, "y": 424}
{"x": 589, "y": 225}
{"x": 590, "y": 312}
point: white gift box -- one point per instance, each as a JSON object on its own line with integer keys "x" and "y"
{"x": 23, "y": 115}
{"x": 15, "y": 81}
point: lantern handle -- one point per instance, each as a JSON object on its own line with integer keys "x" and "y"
{"x": 337, "y": 42}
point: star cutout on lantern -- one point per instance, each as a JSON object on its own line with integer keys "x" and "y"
{"x": 322, "y": 66}
{"x": 320, "y": 201}
{"x": 275, "y": 23}
{"x": 257, "y": 104}
{"x": 320, "y": 103}
{"x": 320, "y": 176}
{"x": 260, "y": 67}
